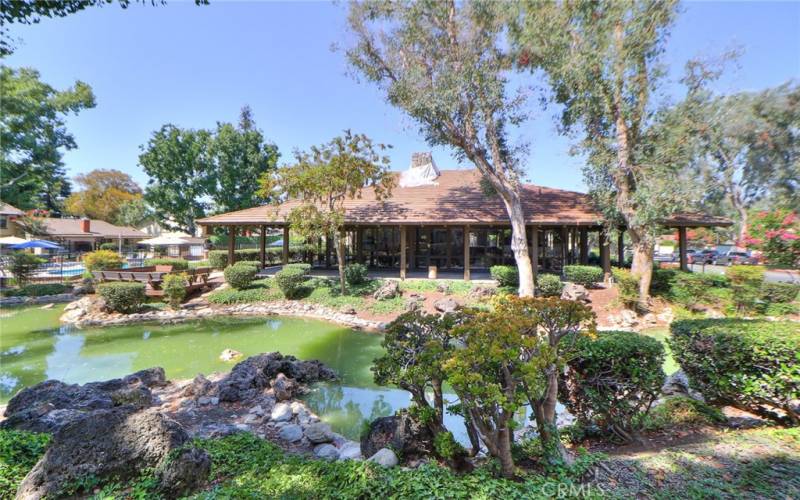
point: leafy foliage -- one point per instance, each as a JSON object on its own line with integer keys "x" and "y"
{"x": 355, "y": 274}
{"x": 751, "y": 364}
{"x": 101, "y": 260}
{"x": 680, "y": 411}
{"x": 628, "y": 286}
{"x": 549, "y": 285}
{"x": 613, "y": 380}
{"x": 33, "y": 135}
{"x": 259, "y": 291}
{"x": 746, "y": 283}
{"x": 102, "y": 194}
{"x": 174, "y": 286}
{"x": 587, "y": 276}
{"x": 240, "y": 275}
{"x": 505, "y": 275}
{"x": 779, "y": 293}
{"x": 122, "y": 296}
{"x": 38, "y": 290}
{"x": 290, "y": 281}
{"x": 19, "y": 452}
{"x": 777, "y": 234}
{"x": 23, "y": 265}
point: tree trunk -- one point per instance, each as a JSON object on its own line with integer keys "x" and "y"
{"x": 742, "y": 225}
{"x": 642, "y": 266}
{"x": 544, "y": 411}
{"x": 507, "y": 468}
{"x": 340, "y": 260}
{"x": 519, "y": 242}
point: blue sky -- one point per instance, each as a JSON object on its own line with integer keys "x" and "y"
{"x": 193, "y": 66}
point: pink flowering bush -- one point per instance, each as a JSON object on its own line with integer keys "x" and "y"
{"x": 777, "y": 234}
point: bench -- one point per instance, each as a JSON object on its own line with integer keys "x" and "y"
{"x": 153, "y": 276}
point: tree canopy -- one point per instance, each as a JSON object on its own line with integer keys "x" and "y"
{"x": 33, "y": 135}
{"x": 102, "y": 194}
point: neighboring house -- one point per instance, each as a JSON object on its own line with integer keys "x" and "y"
{"x": 449, "y": 220}
{"x": 8, "y": 216}
{"x": 77, "y": 235}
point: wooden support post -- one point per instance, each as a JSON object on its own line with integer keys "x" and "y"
{"x": 413, "y": 244}
{"x": 682, "y": 249}
{"x": 262, "y": 246}
{"x": 360, "y": 245}
{"x": 231, "y": 245}
{"x": 285, "y": 256}
{"x": 621, "y": 248}
{"x": 534, "y": 251}
{"x": 605, "y": 256}
{"x": 402, "y": 252}
{"x": 328, "y": 250}
{"x": 466, "y": 254}
{"x": 564, "y": 247}
{"x": 429, "y": 236}
{"x": 584, "y": 246}
{"x": 449, "y": 244}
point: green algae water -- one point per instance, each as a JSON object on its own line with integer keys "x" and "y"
{"x": 34, "y": 347}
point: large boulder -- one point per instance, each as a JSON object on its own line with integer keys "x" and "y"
{"x": 50, "y": 405}
{"x": 251, "y": 376}
{"x": 399, "y": 432}
{"x": 117, "y": 444}
{"x": 575, "y": 292}
{"x": 388, "y": 290}
{"x": 446, "y": 305}
{"x": 481, "y": 292}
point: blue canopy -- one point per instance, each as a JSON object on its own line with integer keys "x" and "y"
{"x": 36, "y": 244}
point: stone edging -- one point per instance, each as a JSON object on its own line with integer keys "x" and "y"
{"x": 44, "y": 299}
{"x": 75, "y": 314}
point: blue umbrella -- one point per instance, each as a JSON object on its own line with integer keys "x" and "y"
{"x": 36, "y": 244}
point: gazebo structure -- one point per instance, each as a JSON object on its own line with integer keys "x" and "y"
{"x": 451, "y": 219}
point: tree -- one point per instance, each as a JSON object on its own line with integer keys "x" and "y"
{"x": 322, "y": 179}
{"x": 442, "y": 63}
{"x": 102, "y": 194}
{"x": 32, "y": 136}
{"x": 181, "y": 175}
{"x": 749, "y": 144}
{"x": 602, "y": 60}
{"x": 240, "y": 155}
{"x": 134, "y": 213}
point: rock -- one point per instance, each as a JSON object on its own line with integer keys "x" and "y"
{"x": 250, "y": 418}
{"x": 575, "y": 292}
{"x": 291, "y": 433}
{"x": 257, "y": 410}
{"x": 249, "y": 377}
{"x": 714, "y": 314}
{"x": 677, "y": 384}
{"x": 34, "y": 408}
{"x": 208, "y": 400}
{"x": 666, "y": 316}
{"x": 230, "y": 355}
{"x": 326, "y": 452}
{"x": 414, "y": 304}
{"x": 283, "y": 387}
{"x": 384, "y": 457}
{"x": 443, "y": 288}
{"x": 649, "y": 319}
{"x": 399, "y": 432}
{"x": 389, "y": 290}
{"x": 348, "y": 310}
{"x": 481, "y": 292}
{"x": 628, "y": 318}
{"x": 118, "y": 444}
{"x": 47, "y": 306}
{"x": 199, "y": 387}
{"x": 281, "y": 413}
{"x": 90, "y": 304}
{"x": 319, "y": 433}
{"x": 446, "y": 305}
{"x": 350, "y": 451}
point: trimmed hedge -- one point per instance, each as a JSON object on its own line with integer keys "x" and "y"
{"x": 662, "y": 280}
{"x": 174, "y": 286}
{"x": 122, "y": 296}
{"x": 613, "y": 380}
{"x": 102, "y": 260}
{"x": 505, "y": 275}
{"x": 355, "y": 274}
{"x": 628, "y": 286}
{"x": 750, "y": 364}
{"x": 779, "y": 293}
{"x": 109, "y": 246}
{"x": 549, "y": 285}
{"x": 177, "y": 264}
{"x": 218, "y": 259}
{"x": 240, "y": 275}
{"x": 290, "y": 280}
{"x": 583, "y": 275}
{"x": 38, "y": 290}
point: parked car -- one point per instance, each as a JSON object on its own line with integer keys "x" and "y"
{"x": 702, "y": 257}
{"x": 664, "y": 257}
{"x": 735, "y": 258}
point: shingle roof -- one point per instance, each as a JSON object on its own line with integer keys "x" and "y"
{"x": 6, "y": 209}
{"x": 456, "y": 198}
{"x": 97, "y": 229}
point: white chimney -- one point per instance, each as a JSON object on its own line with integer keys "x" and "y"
{"x": 422, "y": 172}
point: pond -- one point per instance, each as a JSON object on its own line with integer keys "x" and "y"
{"x": 35, "y": 347}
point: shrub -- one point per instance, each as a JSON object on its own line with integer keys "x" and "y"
{"x": 240, "y": 275}
{"x": 177, "y": 264}
{"x": 122, "y": 296}
{"x": 781, "y": 309}
{"x": 39, "y": 290}
{"x": 251, "y": 263}
{"x": 290, "y": 280}
{"x": 174, "y": 286}
{"x": 613, "y": 380}
{"x": 583, "y": 275}
{"x": 662, "y": 281}
{"x": 109, "y": 246}
{"x": 22, "y": 265}
{"x": 19, "y": 452}
{"x": 505, "y": 275}
{"x": 306, "y": 268}
{"x": 746, "y": 283}
{"x": 779, "y": 293}
{"x": 549, "y": 285}
{"x": 218, "y": 259}
{"x": 102, "y": 260}
{"x": 628, "y": 286}
{"x": 355, "y": 274}
{"x": 681, "y": 411}
{"x": 750, "y": 364}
